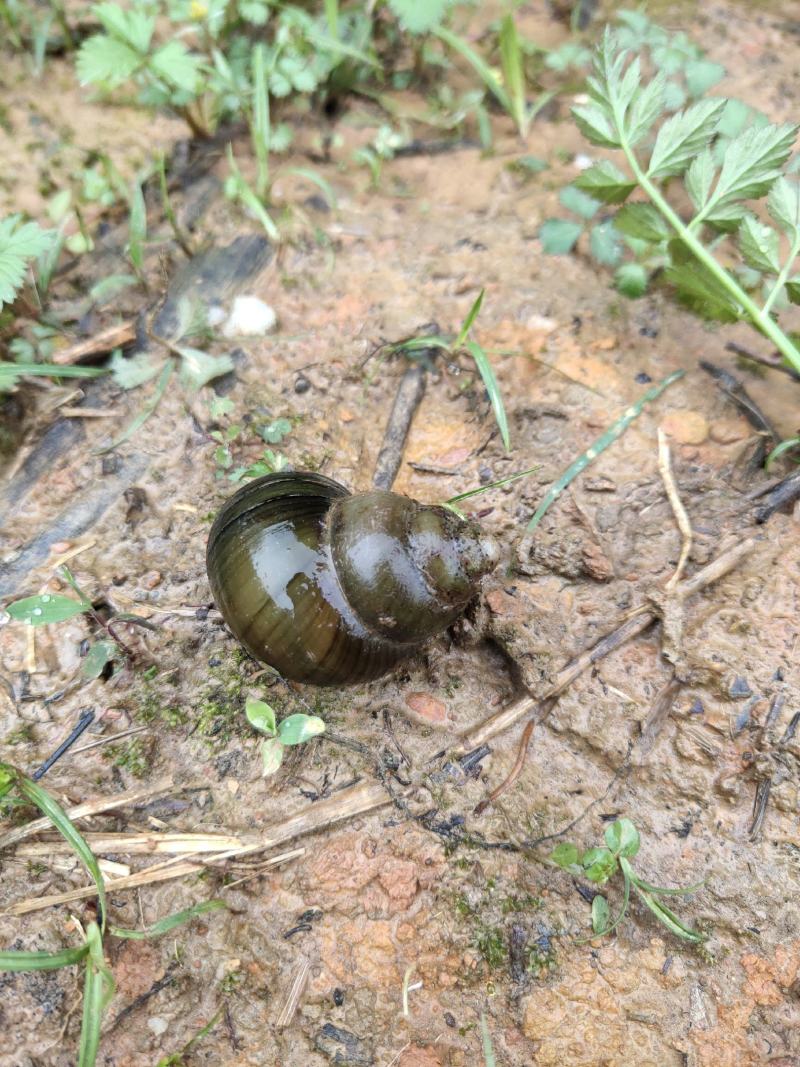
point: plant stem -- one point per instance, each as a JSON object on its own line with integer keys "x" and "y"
{"x": 759, "y": 317}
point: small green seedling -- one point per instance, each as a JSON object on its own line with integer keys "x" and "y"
{"x": 462, "y": 343}
{"x": 293, "y": 730}
{"x": 46, "y": 608}
{"x": 20, "y": 244}
{"x": 600, "y": 864}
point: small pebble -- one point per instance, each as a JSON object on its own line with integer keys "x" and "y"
{"x": 109, "y": 464}
{"x": 642, "y": 378}
{"x": 158, "y": 1025}
{"x": 338, "y": 997}
{"x": 740, "y": 689}
{"x": 151, "y": 580}
{"x": 301, "y": 384}
{"x": 450, "y": 1019}
{"x": 686, "y": 427}
{"x": 61, "y": 546}
{"x": 485, "y": 475}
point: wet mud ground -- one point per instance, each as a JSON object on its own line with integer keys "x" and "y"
{"x": 484, "y": 929}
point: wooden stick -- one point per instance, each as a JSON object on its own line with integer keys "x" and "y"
{"x": 112, "y": 337}
{"x": 173, "y": 844}
{"x": 678, "y": 510}
{"x": 141, "y": 878}
{"x": 94, "y": 807}
{"x": 636, "y": 624}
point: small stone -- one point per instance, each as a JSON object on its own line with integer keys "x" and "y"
{"x": 151, "y": 580}
{"x": 301, "y": 384}
{"x": 739, "y": 689}
{"x": 338, "y": 997}
{"x": 345, "y": 415}
{"x": 109, "y": 464}
{"x": 427, "y": 707}
{"x": 726, "y": 431}
{"x": 342, "y": 1047}
{"x": 249, "y": 317}
{"x": 61, "y": 546}
{"x": 449, "y": 1019}
{"x": 686, "y": 427}
{"x": 643, "y": 378}
{"x": 158, "y": 1024}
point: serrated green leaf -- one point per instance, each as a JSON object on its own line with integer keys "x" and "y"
{"x": 759, "y": 245}
{"x": 674, "y": 96}
{"x": 19, "y": 244}
{"x": 622, "y": 838}
{"x": 682, "y": 137}
{"x": 783, "y": 204}
{"x": 701, "y": 75}
{"x": 753, "y": 161}
{"x": 272, "y": 753}
{"x": 131, "y": 371}
{"x": 595, "y": 127}
{"x": 103, "y": 60}
{"x": 646, "y": 108}
{"x": 604, "y": 243}
{"x": 642, "y": 221}
{"x": 701, "y": 291}
{"x": 260, "y": 716}
{"x": 296, "y": 729}
{"x": 631, "y": 279}
{"x": 578, "y": 202}
{"x": 606, "y": 183}
{"x": 132, "y": 26}
{"x": 176, "y": 65}
{"x": 274, "y": 432}
{"x": 793, "y": 289}
{"x": 46, "y": 608}
{"x": 727, "y": 217}
{"x": 558, "y": 236}
{"x": 95, "y": 660}
{"x": 419, "y": 16}
{"x": 699, "y": 178}
{"x": 199, "y": 368}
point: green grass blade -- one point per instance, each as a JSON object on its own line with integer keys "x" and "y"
{"x": 137, "y": 227}
{"x": 98, "y": 989}
{"x": 321, "y": 183}
{"x": 600, "y": 445}
{"x": 261, "y": 125}
{"x": 478, "y": 64}
{"x": 11, "y": 372}
{"x": 468, "y": 322}
{"x": 163, "y": 926}
{"x": 146, "y": 412}
{"x": 492, "y": 388}
{"x": 332, "y": 15}
{"x": 41, "y": 961}
{"x": 492, "y": 485}
{"x": 513, "y": 73}
{"x": 486, "y": 1043}
{"x": 49, "y": 807}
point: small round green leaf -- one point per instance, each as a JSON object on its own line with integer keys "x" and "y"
{"x": 565, "y": 855}
{"x": 295, "y": 729}
{"x": 272, "y": 755}
{"x": 622, "y": 838}
{"x": 97, "y": 657}
{"x": 558, "y": 236}
{"x": 261, "y": 716}
{"x": 598, "y": 864}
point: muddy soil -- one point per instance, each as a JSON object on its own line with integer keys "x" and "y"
{"x": 417, "y": 885}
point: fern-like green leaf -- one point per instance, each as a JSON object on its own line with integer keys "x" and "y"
{"x": 606, "y": 182}
{"x": 176, "y": 65}
{"x": 759, "y": 245}
{"x": 683, "y": 136}
{"x": 753, "y": 161}
{"x": 133, "y": 27}
{"x": 783, "y": 204}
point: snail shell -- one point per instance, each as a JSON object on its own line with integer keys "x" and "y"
{"x": 332, "y": 588}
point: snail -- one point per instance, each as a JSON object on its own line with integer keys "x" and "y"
{"x": 333, "y": 588}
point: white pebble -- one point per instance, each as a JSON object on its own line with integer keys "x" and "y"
{"x": 582, "y": 162}
{"x": 215, "y": 316}
{"x": 157, "y": 1024}
{"x": 249, "y": 317}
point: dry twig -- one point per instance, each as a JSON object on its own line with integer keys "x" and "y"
{"x": 678, "y": 510}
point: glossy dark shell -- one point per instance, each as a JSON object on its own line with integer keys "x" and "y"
{"x": 332, "y": 588}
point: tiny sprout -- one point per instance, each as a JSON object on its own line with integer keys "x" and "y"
{"x": 293, "y": 730}
{"x": 601, "y": 863}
